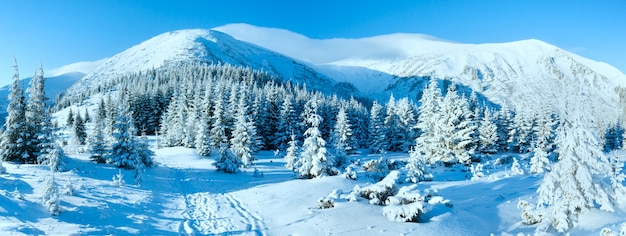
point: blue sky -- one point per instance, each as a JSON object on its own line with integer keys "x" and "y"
{"x": 56, "y": 33}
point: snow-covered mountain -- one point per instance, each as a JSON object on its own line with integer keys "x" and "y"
{"x": 522, "y": 74}
{"x": 205, "y": 46}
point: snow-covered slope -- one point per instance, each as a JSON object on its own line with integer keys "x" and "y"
{"x": 203, "y": 46}
{"x": 515, "y": 75}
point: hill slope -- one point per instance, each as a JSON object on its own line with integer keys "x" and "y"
{"x": 204, "y": 46}
{"x": 517, "y": 75}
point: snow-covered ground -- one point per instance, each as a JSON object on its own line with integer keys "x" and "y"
{"x": 184, "y": 194}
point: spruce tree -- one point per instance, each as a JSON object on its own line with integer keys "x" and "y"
{"x": 80, "y": 133}
{"x": 291, "y": 157}
{"x": 97, "y": 141}
{"x": 488, "y": 133}
{"x": 342, "y": 138}
{"x": 574, "y": 184}
{"x": 429, "y": 141}
{"x": 313, "y": 161}
{"x": 15, "y": 138}
{"x": 70, "y": 118}
{"x": 243, "y": 135}
{"x": 377, "y": 134}
{"x": 50, "y": 196}
{"x": 39, "y": 119}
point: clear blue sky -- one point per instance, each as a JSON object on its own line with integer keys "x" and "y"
{"x": 60, "y": 32}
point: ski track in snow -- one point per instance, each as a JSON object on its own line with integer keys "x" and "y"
{"x": 207, "y": 213}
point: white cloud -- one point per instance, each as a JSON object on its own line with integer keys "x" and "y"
{"x": 84, "y": 67}
{"x": 320, "y": 51}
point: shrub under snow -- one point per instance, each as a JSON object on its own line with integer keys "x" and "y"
{"x": 378, "y": 193}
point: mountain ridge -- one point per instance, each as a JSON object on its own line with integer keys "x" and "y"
{"x": 516, "y": 75}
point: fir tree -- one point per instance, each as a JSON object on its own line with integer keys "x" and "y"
{"x": 50, "y": 196}
{"x": 291, "y": 157}
{"x": 38, "y": 116}
{"x": 543, "y": 147}
{"x": 313, "y": 160}
{"x": 80, "y": 133}
{"x": 97, "y": 141}
{"x": 574, "y": 184}
{"x": 15, "y": 138}
{"x": 243, "y": 135}
{"x": 429, "y": 142}
{"x": 126, "y": 152}
{"x": 488, "y": 133}
{"x": 227, "y": 162}
{"x": 53, "y": 158}
{"x": 376, "y": 132}
{"x": 87, "y": 118}
{"x": 342, "y": 138}
{"x": 70, "y": 118}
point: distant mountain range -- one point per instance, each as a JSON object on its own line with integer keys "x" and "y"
{"x": 516, "y": 75}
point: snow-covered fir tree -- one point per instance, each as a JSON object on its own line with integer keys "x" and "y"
{"x": 80, "y": 133}
{"x": 244, "y": 133}
{"x": 126, "y": 151}
{"x": 291, "y": 155}
{"x": 227, "y": 161}
{"x": 376, "y": 131}
{"x": 15, "y": 138}
{"x": 429, "y": 121}
{"x": 342, "y": 139}
{"x": 97, "y": 142}
{"x": 70, "y": 118}
{"x": 38, "y": 117}
{"x": 418, "y": 171}
{"x": 287, "y": 124}
{"x": 313, "y": 161}
{"x": 613, "y": 137}
{"x": 574, "y": 185}
{"x": 457, "y": 129}
{"x": 203, "y": 138}
{"x": 50, "y": 196}
{"x": 53, "y": 158}
{"x": 543, "y": 146}
{"x": 488, "y": 133}
{"x": 405, "y": 133}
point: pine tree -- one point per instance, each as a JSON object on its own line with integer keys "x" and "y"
{"x": 70, "y": 118}
{"x": 80, "y": 133}
{"x": 126, "y": 151}
{"x": 313, "y": 160}
{"x": 574, "y": 184}
{"x": 543, "y": 147}
{"x": 614, "y": 137}
{"x": 457, "y": 130}
{"x": 50, "y": 196}
{"x": 243, "y": 135}
{"x": 488, "y": 134}
{"x": 376, "y": 132}
{"x": 87, "y": 116}
{"x": 97, "y": 142}
{"x": 342, "y": 138}
{"x": 38, "y": 116}
{"x": 418, "y": 171}
{"x": 14, "y": 144}
{"x": 53, "y": 158}
{"x": 219, "y": 129}
{"x": 291, "y": 157}
{"x": 287, "y": 124}
{"x": 429, "y": 142}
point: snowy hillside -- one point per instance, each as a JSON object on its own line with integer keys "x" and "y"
{"x": 516, "y": 75}
{"x": 204, "y": 46}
